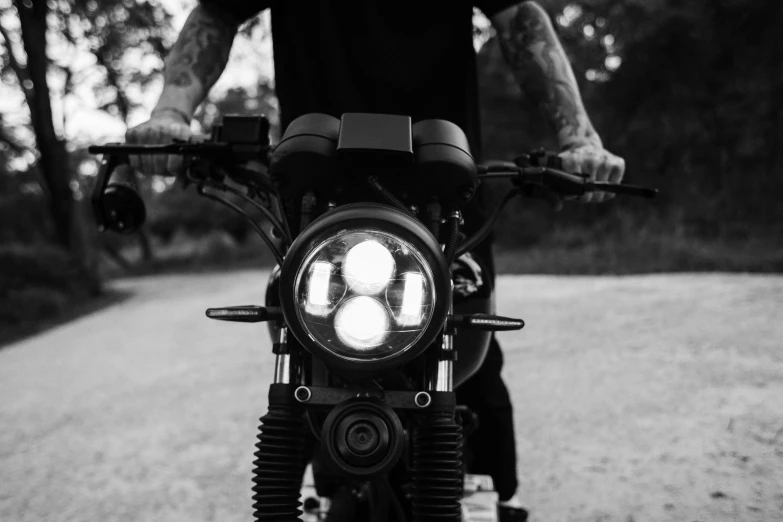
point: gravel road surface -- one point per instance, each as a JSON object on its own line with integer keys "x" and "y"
{"x": 645, "y": 398}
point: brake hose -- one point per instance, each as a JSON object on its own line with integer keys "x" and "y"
{"x": 453, "y": 237}
{"x": 388, "y": 196}
{"x": 275, "y": 251}
{"x": 486, "y": 228}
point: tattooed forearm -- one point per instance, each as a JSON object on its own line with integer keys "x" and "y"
{"x": 531, "y": 48}
{"x": 201, "y": 51}
{"x": 197, "y": 60}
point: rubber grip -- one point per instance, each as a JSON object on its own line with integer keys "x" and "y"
{"x": 628, "y": 190}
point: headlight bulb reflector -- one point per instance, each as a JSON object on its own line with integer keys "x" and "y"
{"x": 362, "y": 322}
{"x": 318, "y": 294}
{"x": 324, "y": 289}
{"x": 368, "y": 267}
{"x": 412, "y": 299}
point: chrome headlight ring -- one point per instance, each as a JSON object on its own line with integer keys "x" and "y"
{"x": 365, "y": 288}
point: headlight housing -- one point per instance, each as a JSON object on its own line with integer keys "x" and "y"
{"x": 364, "y": 294}
{"x": 365, "y": 287}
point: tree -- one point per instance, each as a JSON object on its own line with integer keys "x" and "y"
{"x": 690, "y": 93}
{"x": 45, "y": 53}
{"x": 109, "y": 31}
{"x": 32, "y": 76}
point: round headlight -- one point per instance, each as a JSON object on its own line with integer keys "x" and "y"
{"x": 365, "y": 294}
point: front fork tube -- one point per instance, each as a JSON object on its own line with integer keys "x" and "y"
{"x": 282, "y": 443}
{"x": 443, "y": 380}
{"x": 436, "y": 464}
{"x": 282, "y": 357}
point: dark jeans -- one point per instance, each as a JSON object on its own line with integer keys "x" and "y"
{"x": 492, "y": 444}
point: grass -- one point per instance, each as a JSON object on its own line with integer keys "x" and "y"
{"x": 32, "y": 320}
{"x": 187, "y": 254}
{"x": 621, "y": 241}
{"x": 574, "y": 251}
{"x": 41, "y": 286}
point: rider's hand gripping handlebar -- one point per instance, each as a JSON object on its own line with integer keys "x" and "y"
{"x": 573, "y": 185}
{"x": 540, "y": 174}
{"x": 238, "y": 142}
{"x": 544, "y": 169}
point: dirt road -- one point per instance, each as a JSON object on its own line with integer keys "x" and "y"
{"x": 656, "y": 398}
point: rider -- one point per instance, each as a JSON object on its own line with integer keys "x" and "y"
{"x": 402, "y": 57}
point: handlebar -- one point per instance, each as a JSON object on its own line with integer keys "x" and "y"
{"x": 235, "y": 149}
{"x": 235, "y": 153}
{"x": 567, "y": 184}
{"x": 540, "y": 168}
{"x": 184, "y": 148}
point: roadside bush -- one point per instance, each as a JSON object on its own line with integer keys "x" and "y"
{"x": 36, "y": 281}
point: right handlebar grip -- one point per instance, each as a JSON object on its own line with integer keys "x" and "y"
{"x": 554, "y": 162}
{"x": 628, "y": 190}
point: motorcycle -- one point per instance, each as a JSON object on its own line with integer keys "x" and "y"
{"x": 374, "y": 296}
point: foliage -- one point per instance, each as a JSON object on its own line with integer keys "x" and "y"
{"x": 690, "y": 93}
{"x": 112, "y": 32}
{"x": 177, "y": 210}
{"x": 51, "y": 51}
{"x": 239, "y": 100}
{"x": 37, "y": 281}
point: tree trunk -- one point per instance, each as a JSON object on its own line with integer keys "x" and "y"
{"x": 54, "y": 161}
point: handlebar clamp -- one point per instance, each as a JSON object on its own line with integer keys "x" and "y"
{"x": 540, "y": 158}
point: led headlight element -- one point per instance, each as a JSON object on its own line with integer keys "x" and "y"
{"x": 362, "y": 322}
{"x": 324, "y": 289}
{"x": 318, "y": 294}
{"x": 368, "y": 267}
{"x": 412, "y": 299}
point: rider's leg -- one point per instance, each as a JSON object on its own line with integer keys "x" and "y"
{"x": 492, "y": 444}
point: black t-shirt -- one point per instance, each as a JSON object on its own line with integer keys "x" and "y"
{"x": 414, "y": 58}
{"x": 396, "y": 57}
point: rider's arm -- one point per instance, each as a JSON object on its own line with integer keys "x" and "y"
{"x": 533, "y": 51}
{"x": 197, "y": 60}
{"x": 194, "y": 64}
